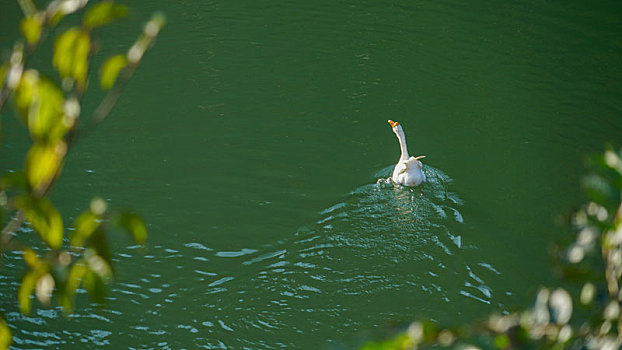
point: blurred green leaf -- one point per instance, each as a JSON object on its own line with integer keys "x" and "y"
{"x": 80, "y": 59}
{"x": 607, "y": 165}
{"x": 78, "y": 270}
{"x": 400, "y": 342}
{"x": 134, "y": 224}
{"x": 26, "y": 287}
{"x": 71, "y": 52}
{"x": 44, "y": 217}
{"x": 502, "y": 341}
{"x": 85, "y": 225}
{"x": 63, "y": 51}
{"x": 110, "y": 70}
{"x": 47, "y": 121}
{"x": 40, "y": 103}
{"x": 94, "y": 285}
{"x": 32, "y": 259}
{"x": 99, "y": 243}
{"x": 55, "y": 18}
{"x": 430, "y": 331}
{"x": 76, "y": 274}
{"x": 26, "y": 92}
{"x": 5, "y": 335}
{"x": 43, "y": 163}
{"x": 31, "y": 27}
{"x": 601, "y": 191}
{"x": 104, "y": 13}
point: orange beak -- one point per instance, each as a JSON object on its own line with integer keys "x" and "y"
{"x": 393, "y": 124}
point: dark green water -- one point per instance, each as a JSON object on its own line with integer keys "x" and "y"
{"x": 252, "y": 140}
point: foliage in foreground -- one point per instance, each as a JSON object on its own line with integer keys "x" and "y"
{"x": 50, "y": 107}
{"x": 588, "y": 318}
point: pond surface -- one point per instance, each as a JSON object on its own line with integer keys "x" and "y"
{"x": 254, "y": 141}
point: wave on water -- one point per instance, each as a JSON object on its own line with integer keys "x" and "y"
{"x": 381, "y": 254}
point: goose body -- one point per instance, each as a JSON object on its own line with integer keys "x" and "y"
{"x": 408, "y": 171}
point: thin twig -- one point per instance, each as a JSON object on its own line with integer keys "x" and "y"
{"x": 101, "y": 112}
{"x": 4, "y": 95}
{"x": 11, "y": 228}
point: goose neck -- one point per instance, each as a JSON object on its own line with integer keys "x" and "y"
{"x": 403, "y": 147}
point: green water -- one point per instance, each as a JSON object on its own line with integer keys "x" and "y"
{"x": 252, "y": 140}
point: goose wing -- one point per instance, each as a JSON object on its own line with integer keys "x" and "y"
{"x": 412, "y": 162}
{"x": 403, "y": 166}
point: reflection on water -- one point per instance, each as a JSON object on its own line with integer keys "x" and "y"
{"x": 383, "y": 253}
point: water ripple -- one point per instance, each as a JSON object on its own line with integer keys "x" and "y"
{"x": 235, "y": 254}
{"x": 370, "y": 250}
{"x": 381, "y": 253}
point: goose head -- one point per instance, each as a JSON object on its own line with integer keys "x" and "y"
{"x": 397, "y": 128}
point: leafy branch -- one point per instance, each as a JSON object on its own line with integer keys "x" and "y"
{"x": 51, "y": 112}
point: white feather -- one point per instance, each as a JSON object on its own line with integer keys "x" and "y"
{"x": 408, "y": 171}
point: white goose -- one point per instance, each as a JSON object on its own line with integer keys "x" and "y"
{"x": 408, "y": 170}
